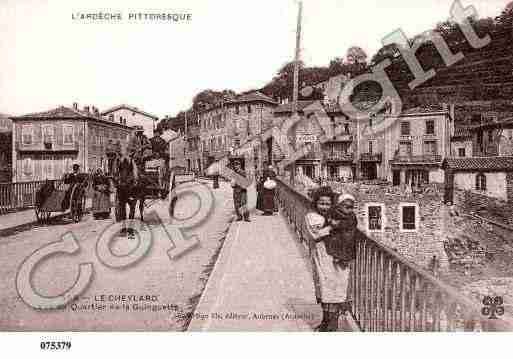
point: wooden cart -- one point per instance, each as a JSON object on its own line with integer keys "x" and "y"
{"x": 50, "y": 199}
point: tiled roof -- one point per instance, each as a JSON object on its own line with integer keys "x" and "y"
{"x": 59, "y": 112}
{"x": 130, "y": 108}
{"x": 480, "y": 163}
{"x": 63, "y": 112}
{"x": 254, "y": 97}
{"x": 423, "y": 109}
{"x": 288, "y": 107}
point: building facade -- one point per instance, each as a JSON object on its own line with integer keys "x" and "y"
{"x": 408, "y": 149}
{"x": 461, "y": 142}
{"x": 229, "y": 125}
{"x": 483, "y": 185}
{"x": 47, "y": 144}
{"x": 132, "y": 116}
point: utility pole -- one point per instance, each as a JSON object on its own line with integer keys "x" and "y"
{"x": 295, "y": 94}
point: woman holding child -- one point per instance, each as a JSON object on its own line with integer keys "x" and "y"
{"x": 332, "y": 225}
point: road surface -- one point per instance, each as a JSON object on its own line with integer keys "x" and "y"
{"x": 153, "y": 294}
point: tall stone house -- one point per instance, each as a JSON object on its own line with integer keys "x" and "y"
{"x": 226, "y": 126}
{"x": 131, "y": 116}
{"x": 47, "y": 144}
{"x": 334, "y": 158}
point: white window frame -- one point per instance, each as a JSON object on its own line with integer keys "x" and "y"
{"x": 43, "y": 129}
{"x": 24, "y": 130}
{"x": 417, "y": 217}
{"x": 64, "y": 134}
{"x": 30, "y": 162}
{"x": 383, "y": 217}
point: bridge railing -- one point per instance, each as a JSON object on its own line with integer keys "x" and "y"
{"x": 388, "y": 292}
{"x": 19, "y": 195}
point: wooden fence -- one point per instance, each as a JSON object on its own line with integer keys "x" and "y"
{"x": 19, "y": 195}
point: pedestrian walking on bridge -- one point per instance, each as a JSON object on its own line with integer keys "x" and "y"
{"x": 240, "y": 195}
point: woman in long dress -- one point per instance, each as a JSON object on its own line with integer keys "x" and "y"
{"x": 333, "y": 278}
{"x": 268, "y": 205}
{"x": 101, "y": 195}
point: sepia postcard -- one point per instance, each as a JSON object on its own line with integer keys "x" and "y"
{"x": 256, "y": 166}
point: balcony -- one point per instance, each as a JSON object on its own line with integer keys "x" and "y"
{"x": 44, "y": 147}
{"x": 417, "y": 159}
{"x": 343, "y": 137}
{"x": 338, "y": 156}
{"x": 313, "y": 155}
{"x": 371, "y": 157}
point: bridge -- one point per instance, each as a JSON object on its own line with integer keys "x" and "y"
{"x": 262, "y": 277}
{"x": 265, "y": 280}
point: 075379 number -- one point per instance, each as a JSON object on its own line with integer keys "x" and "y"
{"x": 55, "y": 345}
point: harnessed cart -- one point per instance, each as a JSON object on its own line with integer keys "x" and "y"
{"x": 65, "y": 197}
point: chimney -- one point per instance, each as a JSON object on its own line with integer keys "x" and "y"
{"x": 96, "y": 112}
{"x": 75, "y": 106}
{"x": 86, "y": 109}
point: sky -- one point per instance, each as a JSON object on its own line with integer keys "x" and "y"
{"x": 48, "y": 59}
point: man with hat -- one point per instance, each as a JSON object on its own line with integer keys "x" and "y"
{"x": 240, "y": 195}
{"x": 72, "y": 179}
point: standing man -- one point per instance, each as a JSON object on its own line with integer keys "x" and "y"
{"x": 240, "y": 195}
{"x": 73, "y": 178}
{"x": 126, "y": 179}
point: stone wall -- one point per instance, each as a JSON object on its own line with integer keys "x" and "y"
{"x": 418, "y": 246}
{"x": 488, "y": 207}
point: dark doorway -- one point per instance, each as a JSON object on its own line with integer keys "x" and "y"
{"x": 370, "y": 171}
{"x": 332, "y": 171}
{"x": 308, "y": 170}
{"x": 396, "y": 178}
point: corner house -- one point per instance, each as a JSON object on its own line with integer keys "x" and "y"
{"x": 47, "y": 144}
{"x": 483, "y": 185}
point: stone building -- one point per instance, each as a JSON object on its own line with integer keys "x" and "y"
{"x": 407, "y": 149}
{"x": 228, "y": 125}
{"x": 483, "y": 185}
{"x": 412, "y": 224}
{"x": 132, "y": 116}
{"x": 494, "y": 138}
{"x": 334, "y": 157}
{"x": 177, "y": 151}
{"x": 47, "y": 144}
{"x": 461, "y": 142}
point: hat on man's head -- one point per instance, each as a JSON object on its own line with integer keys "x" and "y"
{"x": 76, "y": 166}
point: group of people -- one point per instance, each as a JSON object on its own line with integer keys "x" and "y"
{"x": 125, "y": 174}
{"x": 332, "y": 225}
{"x": 266, "y": 185}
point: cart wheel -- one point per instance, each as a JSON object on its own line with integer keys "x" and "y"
{"x": 38, "y": 214}
{"x": 47, "y": 215}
